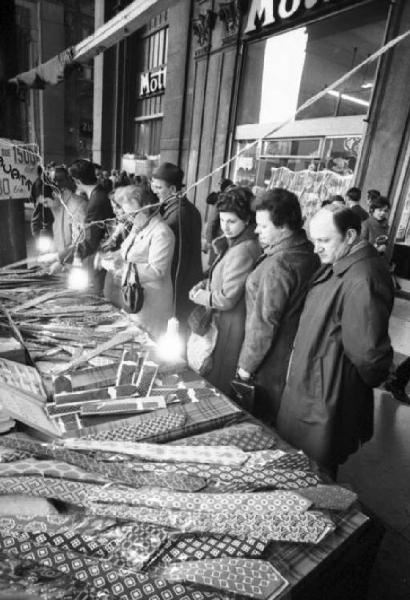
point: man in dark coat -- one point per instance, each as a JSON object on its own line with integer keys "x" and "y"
{"x": 98, "y": 209}
{"x": 342, "y": 348}
{"x": 185, "y": 221}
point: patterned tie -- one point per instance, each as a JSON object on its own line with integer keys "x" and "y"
{"x": 115, "y": 472}
{"x": 49, "y": 468}
{"x": 21, "y": 576}
{"x": 252, "y": 578}
{"x": 283, "y": 501}
{"x": 205, "y": 546}
{"x": 291, "y": 526}
{"x": 158, "y": 426}
{"x": 100, "y": 575}
{"x": 246, "y": 436}
{"x": 332, "y": 497}
{"x": 223, "y": 455}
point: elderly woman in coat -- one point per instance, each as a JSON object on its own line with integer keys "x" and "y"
{"x": 275, "y": 293}
{"x": 150, "y": 246}
{"x": 224, "y": 291}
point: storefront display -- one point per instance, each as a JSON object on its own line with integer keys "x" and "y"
{"x": 279, "y": 74}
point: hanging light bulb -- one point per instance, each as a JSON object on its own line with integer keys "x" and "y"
{"x": 78, "y": 276}
{"x": 44, "y": 241}
{"x": 170, "y": 346}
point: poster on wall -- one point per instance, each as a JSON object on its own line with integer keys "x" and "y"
{"x": 18, "y": 168}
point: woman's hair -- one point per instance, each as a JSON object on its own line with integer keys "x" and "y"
{"x": 236, "y": 200}
{"x": 143, "y": 194}
{"x": 283, "y": 207}
{"x": 378, "y": 202}
{"x": 84, "y": 171}
{"x": 336, "y": 198}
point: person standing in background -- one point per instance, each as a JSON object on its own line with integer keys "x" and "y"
{"x": 353, "y": 196}
{"x": 184, "y": 219}
{"x": 98, "y": 209}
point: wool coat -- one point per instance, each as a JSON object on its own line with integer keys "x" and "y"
{"x": 151, "y": 250}
{"x": 226, "y": 295}
{"x": 275, "y": 293}
{"x": 184, "y": 219}
{"x": 341, "y": 351}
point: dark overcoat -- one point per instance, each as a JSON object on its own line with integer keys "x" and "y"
{"x": 184, "y": 219}
{"x": 341, "y": 351}
{"x": 275, "y": 292}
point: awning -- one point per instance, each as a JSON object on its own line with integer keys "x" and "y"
{"x": 116, "y": 29}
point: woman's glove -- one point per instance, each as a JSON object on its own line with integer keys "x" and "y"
{"x": 200, "y": 296}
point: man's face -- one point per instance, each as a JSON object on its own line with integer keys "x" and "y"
{"x": 330, "y": 244}
{"x": 162, "y": 189}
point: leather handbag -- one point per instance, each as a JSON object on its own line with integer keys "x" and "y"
{"x": 244, "y": 393}
{"x": 131, "y": 290}
{"x": 200, "y": 320}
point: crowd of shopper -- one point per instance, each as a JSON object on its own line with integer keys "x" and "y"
{"x": 301, "y": 315}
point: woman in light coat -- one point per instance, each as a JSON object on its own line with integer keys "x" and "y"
{"x": 224, "y": 290}
{"x": 150, "y": 246}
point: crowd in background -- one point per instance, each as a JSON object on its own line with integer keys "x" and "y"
{"x": 298, "y": 317}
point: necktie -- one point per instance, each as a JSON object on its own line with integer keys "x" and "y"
{"x": 115, "y": 472}
{"x": 290, "y": 526}
{"x": 244, "y": 503}
{"x": 49, "y": 468}
{"x": 247, "y": 436}
{"x": 98, "y": 574}
{"x": 223, "y": 455}
{"x": 199, "y": 547}
{"x": 332, "y": 497}
{"x": 147, "y": 429}
{"x": 22, "y": 576}
{"x": 252, "y": 578}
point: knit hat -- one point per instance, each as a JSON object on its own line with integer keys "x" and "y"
{"x": 169, "y": 173}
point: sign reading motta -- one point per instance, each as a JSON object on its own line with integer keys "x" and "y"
{"x": 152, "y": 82}
{"x": 266, "y": 12}
{"x": 18, "y": 168}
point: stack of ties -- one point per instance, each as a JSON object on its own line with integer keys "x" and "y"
{"x": 195, "y": 519}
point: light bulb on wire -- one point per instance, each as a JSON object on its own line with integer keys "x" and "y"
{"x": 78, "y": 276}
{"x": 170, "y": 346}
{"x": 44, "y": 241}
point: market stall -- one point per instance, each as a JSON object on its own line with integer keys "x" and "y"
{"x": 122, "y": 476}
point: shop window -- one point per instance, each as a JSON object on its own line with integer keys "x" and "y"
{"x": 315, "y": 154}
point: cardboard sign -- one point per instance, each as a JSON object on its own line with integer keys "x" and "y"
{"x": 18, "y": 168}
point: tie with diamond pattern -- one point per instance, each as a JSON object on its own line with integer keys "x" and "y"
{"x": 115, "y": 472}
{"x": 100, "y": 575}
{"x": 252, "y": 578}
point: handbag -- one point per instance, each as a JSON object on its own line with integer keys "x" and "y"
{"x": 131, "y": 290}
{"x": 200, "y": 319}
{"x": 200, "y": 350}
{"x": 244, "y": 393}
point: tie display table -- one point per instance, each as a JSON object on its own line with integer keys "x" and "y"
{"x": 125, "y": 477}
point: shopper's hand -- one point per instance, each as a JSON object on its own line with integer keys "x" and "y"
{"x": 48, "y": 257}
{"x": 200, "y": 296}
{"x": 243, "y": 375}
{"x": 55, "y": 268}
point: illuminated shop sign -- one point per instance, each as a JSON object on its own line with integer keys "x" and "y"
{"x": 263, "y": 13}
{"x": 152, "y": 82}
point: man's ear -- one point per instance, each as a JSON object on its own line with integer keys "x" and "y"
{"x": 352, "y": 236}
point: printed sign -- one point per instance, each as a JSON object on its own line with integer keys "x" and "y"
{"x": 18, "y": 168}
{"x": 263, "y": 13}
{"x": 152, "y": 82}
